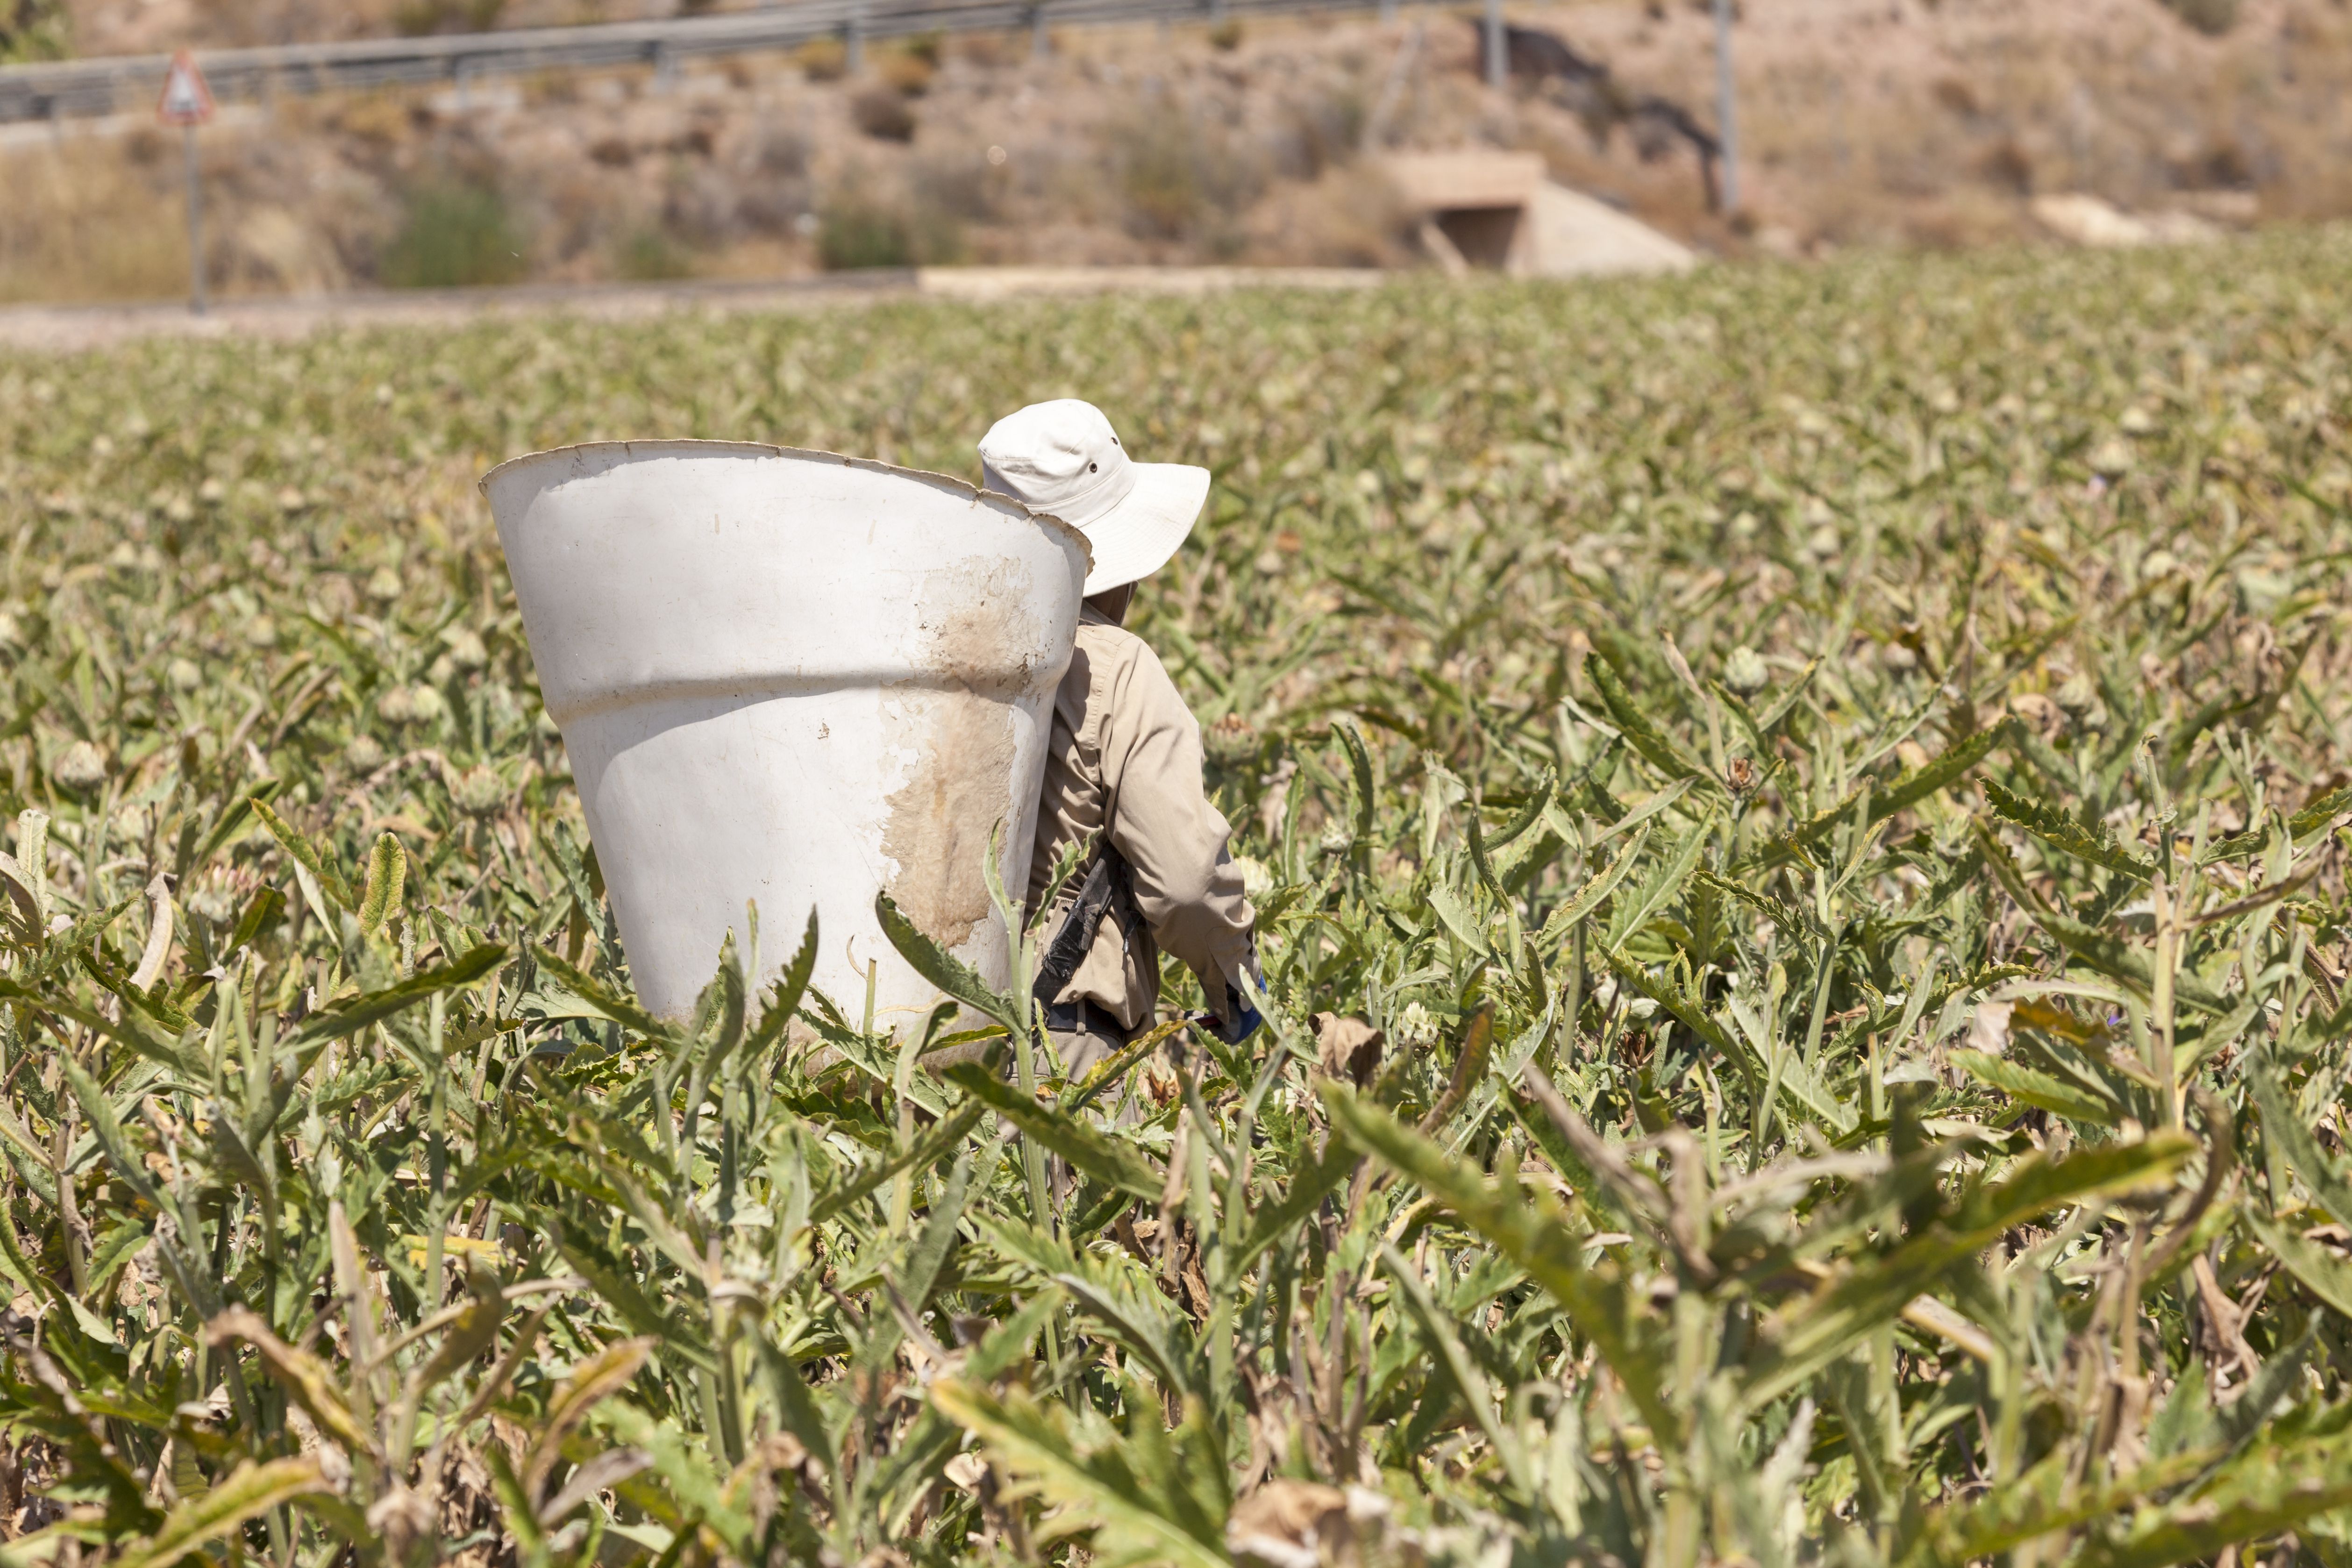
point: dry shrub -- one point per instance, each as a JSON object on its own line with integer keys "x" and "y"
{"x": 2211, "y": 17}
{"x": 781, "y": 153}
{"x": 1350, "y": 217}
{"x": 907, "y": 71}
{"x": 418, "y": 18}
{"x": 962, "y": 183}
{"x": 1320, "y": 131}
{"x": 650, "y": 255}
{"x": 882, "y": 113}
{"x": 1226, "y": 36}
{"x": 2007, "y": 166}
{"x": 986, "y": 50}
{"x": 770, "y": 181}
{"x": 1959, "y": 97}
{"x": 457, "y": 233}
{"x": 35, "y": 30}
{"x": 859, "y": 229}
{"x": 1183, "y": 174}
{"x": 822, "y": 59}
{"x": 2222, "y": 164}
{"x": 274, "y": 249}
{"x": 384, "y": 119}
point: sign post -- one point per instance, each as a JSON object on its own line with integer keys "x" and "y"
{"x": 187, "y": 103}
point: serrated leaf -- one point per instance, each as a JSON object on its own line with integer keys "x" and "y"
{"x": 2300, "y": 827}
{"x": 783, "y": 998}
{"x": 945, "y": 1136}
{"x": 606, "y": 1002}
{"x": 588, "y": 1385}
{"x": 387, "y": 868}
{"x": 1939, "y": 772}
{"x": 2270, "y": 1489}
{"x": 2119, "y": 959}
{"x": 1458, "y": 920}
{"x": 1666, "y": 880}
{"x": 1562, "y": 921}
{"x": 2060, "y": 830}
{"x": 2282, "y": 1127}
{"x": 374, "y": 1007}
{"x": 2318, "y": 1270}
{"x": 1359, "y": 773}
{"x": 305, "y": 853}
{"x": 944, "y": 970}
{"x": 1308, "y": 1187}
{"x": 2038, "y": 1088}
{"x": 1112, "y": 1288}
{"x": 1530, "y": 1230}
{"x": 1103, "y": 1486}
{"x": 248, "y": 1493}
{"x": 104, "y": 1126}
{"x": 1641, "y": 732}
{"x": 1805, "y": 1334}
{"x": 307, "y": 1381}
{"x": 1107, "y": 1157}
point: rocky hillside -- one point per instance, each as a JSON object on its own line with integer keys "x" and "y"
{"x": 1862, "y": 121}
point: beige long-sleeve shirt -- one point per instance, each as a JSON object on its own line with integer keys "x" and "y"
{"x": 1124, "y": 759}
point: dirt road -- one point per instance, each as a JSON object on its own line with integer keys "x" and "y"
{"x": 71, "y": 327}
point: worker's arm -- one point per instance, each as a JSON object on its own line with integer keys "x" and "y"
{"x": 1186, "y": 885}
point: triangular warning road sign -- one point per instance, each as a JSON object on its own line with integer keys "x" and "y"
{"x": 186, "y": 100}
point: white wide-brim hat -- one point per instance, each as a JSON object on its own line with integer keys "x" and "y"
{"x": 1062, "y": 458}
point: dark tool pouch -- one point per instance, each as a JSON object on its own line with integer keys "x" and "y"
{"x": 1105, "y": 890}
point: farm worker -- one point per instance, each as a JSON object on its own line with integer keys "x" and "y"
{"x": 1123, "y": 763}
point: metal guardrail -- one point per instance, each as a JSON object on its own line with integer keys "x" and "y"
{"x": 115, "y": 84}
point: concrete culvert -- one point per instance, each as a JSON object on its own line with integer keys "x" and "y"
{"x": 1499, "y": 212}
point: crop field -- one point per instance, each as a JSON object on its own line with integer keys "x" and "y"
{"x": 1798, "y": 818}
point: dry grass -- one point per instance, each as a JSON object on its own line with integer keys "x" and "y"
{"x": 1869, "y": 122}
{"x": 91, "y": 220}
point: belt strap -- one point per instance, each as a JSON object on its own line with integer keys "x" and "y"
{"x": 1085, "y": 1015}
{"x": 1105, "y": 891}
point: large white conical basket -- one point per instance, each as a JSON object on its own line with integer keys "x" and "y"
{"x": 792, "y": 678}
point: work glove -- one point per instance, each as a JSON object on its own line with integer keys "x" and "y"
{"x": 1240, "y": 1022}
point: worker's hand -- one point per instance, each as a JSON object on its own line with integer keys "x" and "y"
{"x": 1240, "y": 1019}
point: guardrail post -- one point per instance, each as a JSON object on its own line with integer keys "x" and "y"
{"x": 1387, "y": 13}
{"x": 664, "y": 67}
{"x": 463, "y": 77}
{"x": 856, "y": 41}
{"x": 1041, "y": 42}
{"x": 1498, "y": 67}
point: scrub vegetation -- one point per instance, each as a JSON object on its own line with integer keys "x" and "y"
{"x": 1797, "y": 817}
